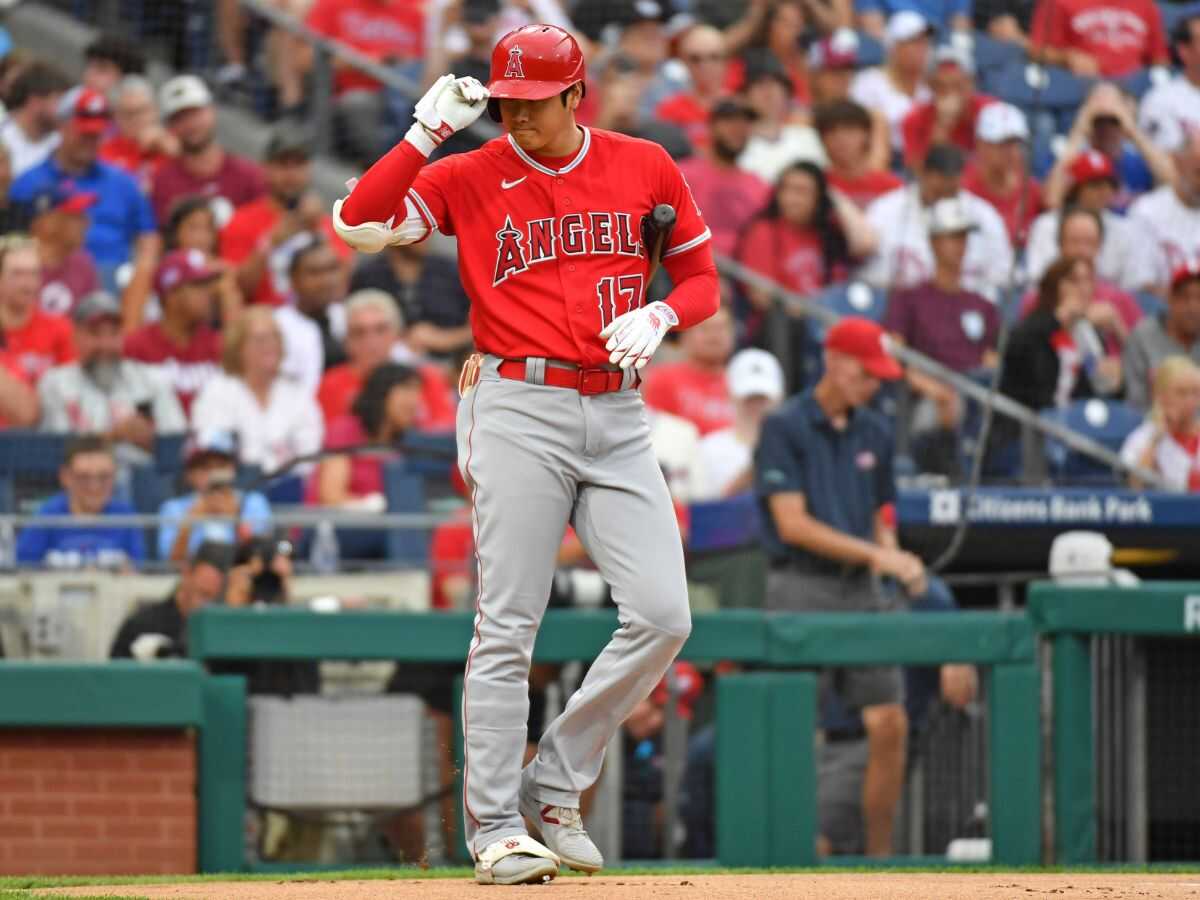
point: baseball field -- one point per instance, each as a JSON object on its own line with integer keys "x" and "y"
{"x": 684, "y": 884}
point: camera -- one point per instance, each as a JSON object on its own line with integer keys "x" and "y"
{"x": 267, "y": 586}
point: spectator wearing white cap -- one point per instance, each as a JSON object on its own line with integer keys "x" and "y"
{"x": 756, "y": 387}
{"x": 999, "y": 171}
{"x": 950, "y": 115}
{"x": 896, "y": 86}
{"x": 948, "y": 323}
{"x": 905, "y": 258}
{"x": 1172, "y": 109}
{"x": 942, "y": 14}
{"x": 203, "y": 165}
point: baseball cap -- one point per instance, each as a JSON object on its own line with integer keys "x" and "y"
{"x": 288, "y": 139}
{"x": 904, "y": 26}
{"x": 634, "y": 11}
{"x": 953, "y": 55}
{"x": 1000, "y": 122}
{"x": 183, "y": 92}
{"x": 837, "y": 51}
{"x": 729, "y": 108}
{"x": 689, "y": 684}
{"x": 1189, "y": 271}
{"x": 86, "y": 111}
{"x": 182, "y": 267}
{"x": 60, "y": 196}
{"x": 206, "y": 443}
{"x": 95, "y": 306}
{"x": 949, "y": 216}
{"x": 944, "y": 159}
{"x": 1092, "y": 165}
{"x": 753, "y": 372}
{"x": 865, "y": 341}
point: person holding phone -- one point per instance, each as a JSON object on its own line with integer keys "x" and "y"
{"x": 214, "y": 509}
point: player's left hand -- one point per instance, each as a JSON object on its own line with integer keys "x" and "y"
{"x": 634, "y": 336}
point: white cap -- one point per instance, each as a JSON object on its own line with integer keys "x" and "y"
{"x": 754, "y": 372}
{"x": 955, "y": 55}
{"x": 904, "y": 26}
{"x": 1084, "y": 558}
{"x": 950, "y": 216}
{"x": 183, "y": 92}
{"x": 1000, "y": 122}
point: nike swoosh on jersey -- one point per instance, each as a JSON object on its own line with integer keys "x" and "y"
{"x": 505, "y": 184}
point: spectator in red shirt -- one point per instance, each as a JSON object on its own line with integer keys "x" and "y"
{"x": 998, "y": 172}
{"x": 383, "y": 411}
{"x": 203, "y": 166}
{"x": 140, "y": 145}
{"x": 182, "y": 344}
{"x": 846, "y": 131}
{"x": 832, "y": 65}
{"x": 807, "y": 238}
{"x": 59, "y": 222}
{"x": 695, "y": 388}
{"x": 950, "y": 116}
{"x": 780, "y": 36}
{"x": 388, "y": 31}
{"x": 729, "y": 196}
{"x": 256, "y": 237}
{"x": 33, "y": 339}
{"x": 1107, "y": 38}
{"x": 703, "y": 52}
{"x": 374, "y": 335}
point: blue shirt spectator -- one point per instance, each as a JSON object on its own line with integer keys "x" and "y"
{"x": 943, "y": 15}
{"x": 121, "y": 214}
{"x": 87, "y": 476}
{"x": 209, "y": 512}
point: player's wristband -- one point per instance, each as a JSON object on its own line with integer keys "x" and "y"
{"x": 421, "y": 139}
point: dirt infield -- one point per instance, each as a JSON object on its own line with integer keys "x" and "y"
{"x": 834, "y": 886}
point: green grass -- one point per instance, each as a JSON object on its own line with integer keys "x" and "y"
{"x": 10, "y": 885}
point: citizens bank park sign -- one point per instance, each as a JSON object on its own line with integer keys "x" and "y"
{"x": 1058, "y": 508}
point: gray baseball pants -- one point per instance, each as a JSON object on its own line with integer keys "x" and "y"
{"x": 536, "y": 458}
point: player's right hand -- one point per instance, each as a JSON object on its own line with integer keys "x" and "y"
{"x": 450, "y": 105}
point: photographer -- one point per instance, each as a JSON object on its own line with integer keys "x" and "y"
{"x": 159, "y": 631}
{"x": 209, "y": 511}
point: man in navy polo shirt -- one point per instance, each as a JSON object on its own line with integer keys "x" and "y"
{"x": 823, "y": 475}
{"x": 122, "y": 226}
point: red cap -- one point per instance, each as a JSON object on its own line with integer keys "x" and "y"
{"x": 1091, "y": 165}
{"x": 532, "y": 63}
{"x": 688, "y": 682}
{"x": 866, "y": 342}
{"x": 182, "y": 267}
{"x": 1189, "y": 271}
{"x": 90, "y": 113}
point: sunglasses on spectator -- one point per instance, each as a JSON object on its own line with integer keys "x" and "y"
{"x": 704, "y": 57}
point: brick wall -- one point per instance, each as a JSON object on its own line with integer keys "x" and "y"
{"x": 84, "y": 801}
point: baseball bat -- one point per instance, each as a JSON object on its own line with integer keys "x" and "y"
{"x": 657, "y": 226}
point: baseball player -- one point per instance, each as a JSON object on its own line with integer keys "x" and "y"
{"x": 551, "y": 428}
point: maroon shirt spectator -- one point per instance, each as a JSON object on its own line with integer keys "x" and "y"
{"x": 59, "y": 223}
{"x": 182, "y": 344}
{"x": 950, "y": 117}
{"x": 729, "y": 196}
{"x": 1107, "y": 38}
{"x": 203, "y": 166}
{"x": 999, "y": 173}
{"x": 955, "y": 327}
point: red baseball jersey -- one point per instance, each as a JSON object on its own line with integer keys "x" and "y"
{"x": 549, "y": 251}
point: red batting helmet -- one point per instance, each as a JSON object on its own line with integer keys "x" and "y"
{"x": 532, "y": 63}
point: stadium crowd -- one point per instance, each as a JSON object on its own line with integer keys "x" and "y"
{"x": 896, "y": 162}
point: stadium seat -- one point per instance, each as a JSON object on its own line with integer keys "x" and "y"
{"x": 851, "y": 298}
{"x": 723, "y": 524}
{"x": 168, "y": 452}
{"x": 1035, "y": 87}
{"x": 1173, "y": 13}
{"x": 405, "y": 491}
{"x": 870, "y": 51}
{"x": 992, "y": 54}
{"x": 1107, "y": 422}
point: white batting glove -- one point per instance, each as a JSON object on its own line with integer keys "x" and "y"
{"x": 450, "y": 105}
{"x": 634, "y": 336}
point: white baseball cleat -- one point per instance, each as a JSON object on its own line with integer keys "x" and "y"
{"x": 516, "y": 860}
{"x": 561, "y": 827}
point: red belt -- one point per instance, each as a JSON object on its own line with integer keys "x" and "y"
{"x": 596, "y": 380}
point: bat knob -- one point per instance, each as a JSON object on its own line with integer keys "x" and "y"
{"x": 663, "y": 215}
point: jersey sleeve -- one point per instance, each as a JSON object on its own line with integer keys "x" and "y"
{"x": 430, "y": 195}
{"x": 690, "y": 231}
